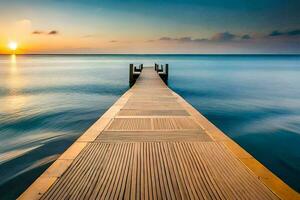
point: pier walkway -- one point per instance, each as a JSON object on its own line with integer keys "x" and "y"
{"x": 152, "y": 144}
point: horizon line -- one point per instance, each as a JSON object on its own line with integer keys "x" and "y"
{"x": 161, "y": 54}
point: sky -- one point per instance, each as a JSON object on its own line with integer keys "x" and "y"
{"x": 151, "y": 26}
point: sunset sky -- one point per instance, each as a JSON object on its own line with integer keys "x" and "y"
{"x": 180, "y": 26}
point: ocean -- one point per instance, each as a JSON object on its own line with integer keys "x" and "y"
{"x": 48, "y": 101}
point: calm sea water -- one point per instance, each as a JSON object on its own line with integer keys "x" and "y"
{"x": 46, "y": 102}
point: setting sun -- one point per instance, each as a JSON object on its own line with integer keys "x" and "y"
{"x": 13, "y": 46}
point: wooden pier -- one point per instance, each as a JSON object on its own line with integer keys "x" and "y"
{"x": 152, "y": 144}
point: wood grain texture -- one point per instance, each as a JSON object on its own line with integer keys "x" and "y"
{"x": 166, "y": 170}
{"x": 153, "y": 136}
{"x": 138, "y": 112}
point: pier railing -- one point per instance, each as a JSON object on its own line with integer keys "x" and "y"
{"x": 134, "y": 73}
{"x": 163, "y": 71}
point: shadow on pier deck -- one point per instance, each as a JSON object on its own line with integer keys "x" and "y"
{"x": 151, "y": 144}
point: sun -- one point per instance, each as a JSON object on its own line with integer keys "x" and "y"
{"x": 13, "y": 45}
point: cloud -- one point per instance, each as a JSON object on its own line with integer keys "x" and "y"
{"x": 219, "y": 37}
{"x": 294, "y": 32}
{"x": 246, "y": 37}
{"x": 276, "y": 33}
{"x": 182, "y": 39}
{"x": 201, "y": 40}
{"x": 113, "y": 41}
{"x": 185, "y": 39}
{"x": 37, "y": 32}
{"x": 232, "y": 37}
{"x": 54, "y": 32}
{"x": 222, "y": 37}
{"x": 166, "y": 38}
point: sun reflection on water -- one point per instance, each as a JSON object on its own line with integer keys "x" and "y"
{"x": 14, "y": 101}
{"x": 13, "y": 63}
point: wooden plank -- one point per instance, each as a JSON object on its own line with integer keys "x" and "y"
{"x": 125, "y": 124}
{"x": 174, "y": 124}
{"x": 139, "y": 112}
{"x": 153, "y": 136}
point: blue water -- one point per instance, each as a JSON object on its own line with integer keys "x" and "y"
{"x": 46, "y": 102}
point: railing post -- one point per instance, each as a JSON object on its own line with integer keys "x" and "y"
{"x": 131, "y": 78}
{"x": 167, "y": 71}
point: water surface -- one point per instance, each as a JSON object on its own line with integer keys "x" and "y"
{"x": 46, "y": 102}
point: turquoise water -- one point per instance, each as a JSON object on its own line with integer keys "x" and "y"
{"x": 46, "y": 102}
